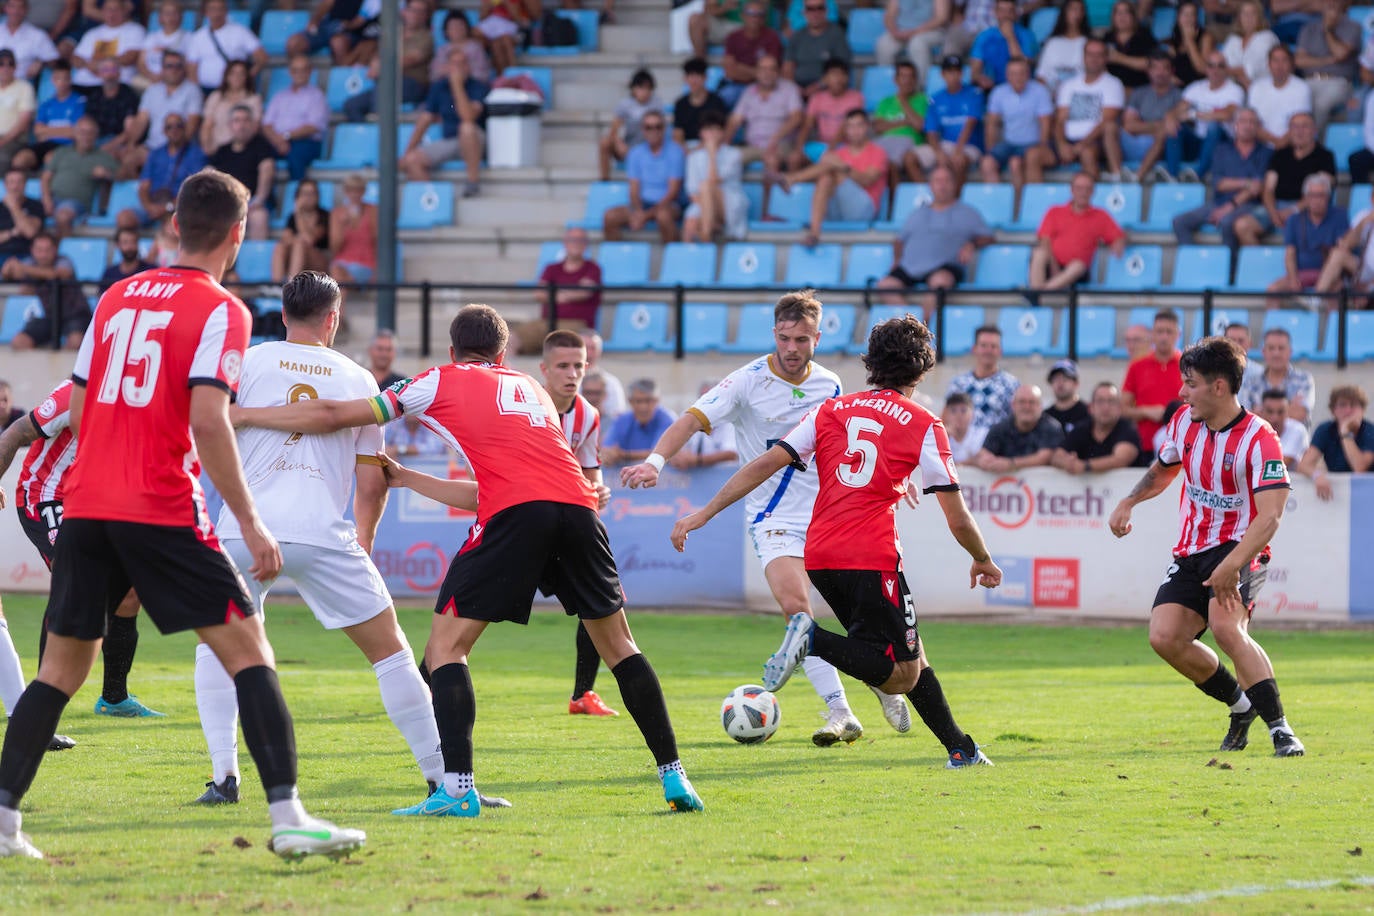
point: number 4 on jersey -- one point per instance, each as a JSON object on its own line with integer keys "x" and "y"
{"x": 516, "y": 395}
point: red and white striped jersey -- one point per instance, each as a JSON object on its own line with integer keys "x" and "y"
{"x": 1222, "y": 472}
{"x": 40, "y": 479}
{"x": 582, "y": 427}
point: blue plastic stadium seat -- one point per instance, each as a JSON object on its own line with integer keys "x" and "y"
{"x": 274, "y": 80}
{"x": 867, "y": 262}
{"x": 791, "y": 210}
{"x": 1140, "y": 267}
{"x": 123, "y": 196}
{"x": 624, "y": 263}
{"x": 406, "y": 129}
{"x": 639, "y": 326}
{"x": 87, "y": 256}
{"x": 602, "y": 196}
{"x": 688, "y": 264}
{"x": 344, "y": 83}
{"x": 46, "y": 89}
{"x": 878, "y": 83}
{"x": 997, "y": 202}
{"x": 426, "y": 204}
{"x": 279, "y": 25}
{"x": 1259, "y": 266}
{"x": 1300, "y": 325}
{"x": 1359, "y": 200}
{"x": 754, "y": 191}
{"x": 865, "y": 25}
{"x": 1359, "y": 343}
{"x": 755, "y": 331}
{"x": 907, "y": 197}
{"x": 1363, "y": 16}
{"x": 705, "y": 326}
{"x": 1168, "y": 201}
{"x": 1096, "y": 331}
{"x": 188, "y": 21}
{"x": 19, "y": 310}
{"x": 960, "y": 323}
{"x": 240, "y": 17}
{"x": 1042, "y": 22}
{"x": 542, "y": 76}
{"x": 815, "y": 267}
{"x": 255, "y": 261}
{"x": 1220, "y": 319}
{"x": 1199, "y": 267}
{"x": 1122, "y": 201}
{"x": 837, "y": 327}
{"x": 1143, "y": 315}
{"x": 1162, "y": 22}
{"x": 1035, "y": 200}
{"x": 1342, "y": 140}
{"x": 877, "y": 314}
{"x": 1025, "y": 331}
{"x": 1002, "y": 267}
{"x": 351, "y": 146}
{"x": 551, "y": 253}
{"x": 744, "y": 265}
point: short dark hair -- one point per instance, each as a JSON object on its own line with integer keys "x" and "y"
{"x": 478, "y": 331}
{"x": 1168, "y": 315}
{"x": 992, "y": 329}
{"x": 856, "y": 113}
{"x": 60, "y": 64}
{"x": 694, "y": 65}
{"x": 309, "y": 296}
{"x": 1092, "y": 40}
{"x": 900, "y": 353}
{"x": 209, "y": 205}
{"x": 45, "y": 234}
{"x": 711, "y": 119}
{"x": 124, "y": 230}
{"x": 1213, "y": 358}
{"x": 1274, "y": 394}
{"x": 958, "y": 399}
{"x": 797, "y": 306}
{"x": 642, "y": 77}
{"x": 1161, "y": 54}
{"x": 1279, "y": 332}
{"x": 563, "y": 338}
{"x": 836, "y": 63}
{"x": 905, "y": 64}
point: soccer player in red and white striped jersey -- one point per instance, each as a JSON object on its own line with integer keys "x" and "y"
{"x": 1235, "y": 487}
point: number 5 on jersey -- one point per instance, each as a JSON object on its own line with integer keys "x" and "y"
{"x": 132, "y": 347}
{"x": 866, "y": 449}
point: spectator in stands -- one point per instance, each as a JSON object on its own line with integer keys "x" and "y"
{"x": 936, "y": 244}
{"x": 1247, "y": 48}
{"x": 745, "y": 48}
{"x": 851, "y": 178}
{"x": 59, "y": 19}
{"x": 1026, "y": 439}
{"x": 1153, "y": 381}
{"x": 1153, "y": 120}
{"x": 965, "y": 439}
{"x": 129, "y": 261}
{"x": 456, "y": 104}
{"x": 42, "y": 273}
{"x": 21, "y": 218}
{"x": 1344, "y": 444}
{"x": 655, "y": 167}
{"x": 458, "y": 39}
{"x": 353, "y": 235}
{"x": 1087, "y": 125}
{"x": 1278, "y": 97}
{"x": 381, "y": 356}
{"x": 113, "y": 106}
{"x": 1068, "y": 408}
{"x": 1309, "y": 236}
{"x": 235, "y": 89}
{"x": 1209, "y": 106}
{"x": 631, "y": 436}
{"x": 163, "y": 172}
{"x": 1288, "y": 169}
{"x": 1104, "y": 441}
{"x": 173, "y": 93}
{"x": 1292, "y": 16}
{"x": 417, "y": 51}
{"x": 694, "y": 104}
{"x": 1061, "y": 59}
{"x": 1239, "y": 167}
{"x": 918, "y": 26}
{"x": 1328, "y": 56}
{"x": 594, "y": 390}
{"x": 794, "y": 20}
{"x": 1351, "y": 263}
{"x": 501, "y": 23}
{"x": 55, "y": 123}
{"x": 31, "y": 46}
{"x": 169, "y": 37}
{"x": 115, "y": 38}
{"x": 250, "y": 157}
{"x": 995, "y": 46}
{"x": 900, "y": 122}
{"x": 715, "y": 186}
{"x": 218, "y": 43}
{"x": 770, "y": 111}
{"x": 332, "y": 25}
{"x": 971, "y": 18}
{"x": 17, "y": 105}
{"x": 166, "y": 242}
{"x": 613, "y": 404}
{"x": 1190, "y": 45}
{"x": 826, "y": 111}
{"x": 9, "y": 414}
{"x": 1137, "y": 341}
{"x": 1293, "y": 437}
{"x": 72, "y": 177}
{"x": 1129, "y": 46}
{"x": 1277, "y": 371}
{"x": 626, "y": 130}
{"x": 1018, "y": 128}
{"x": 297, "y": 119}
{"x": 811, "y": 49}
{"x": 1068, "y": 238}
{"x": 714, "y": 24}
{"x": 304, "y": 243}
{"x": 954, "y": 129}
{"x": 987, "y": 385}
{"x": 577, "y": 279}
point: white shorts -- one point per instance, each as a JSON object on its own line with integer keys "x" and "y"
{"x": 341, "y": 586}
{"x": 774, "y": 538}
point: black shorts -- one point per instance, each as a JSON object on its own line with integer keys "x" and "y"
{"x": 183, "y": 582}
{"x": 910, "y": 282}
{"x": 1183, "y": 582}
{"x": 558, "y": 548}
{"x": 874, "y": 606}
{"x": 41, "y": 527}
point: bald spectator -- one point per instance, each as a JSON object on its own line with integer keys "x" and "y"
{"x": 989, "y": 387}
{"x": 1137, "y": 341}
{"x": 250, "y": 157}
{"x": 1026, "y": 439}
{"x": 1342, "y": 445}
{"x": 381, "y": 355}
{"x": 1069, "y": 236}
{"x": 1154, "y": 380}
{"x": 1293, "y": 438}
{"x": 1105, "y": 442}
{"x": 1276, "y": 370}
{"x": 17, "y": 107}
{"x": 965, "y": 439}
{"x": 631, "y": 437}
{"x": 1019, "y": 128}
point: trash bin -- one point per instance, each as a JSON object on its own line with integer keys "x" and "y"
{"x": 513, "y": 128}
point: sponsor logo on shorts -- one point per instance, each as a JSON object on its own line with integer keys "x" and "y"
{"x": 1274, "y": 470}
{"x": 1210, "y": 499}
{"x": 890, "y": 587}
{"x": 911, "y": 639}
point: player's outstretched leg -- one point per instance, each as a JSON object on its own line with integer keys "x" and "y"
{"x": 218, "y": 703}
{"x": 584, "y": 700}
{"x": 796, "y": 646}
{"x": 118, "y": 649}
{"x": 928, "y": 697}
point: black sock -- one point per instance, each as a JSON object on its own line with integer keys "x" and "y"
{"x": 1264, "y": 696}
{"x": 455, "y": 711}
{"x": 588, "y": 661}
{"x": 267, "y": 730}
{"x": 30, "y": 728}
{"x": 854, "y": 657}
{"x": 1221, "y": 686}
{"x": 643, "y": 697}
{"x": 120, "y": 644}
{"x": 929, "y": 700}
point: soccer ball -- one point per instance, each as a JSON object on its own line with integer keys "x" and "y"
{"x": 750, "y": 714}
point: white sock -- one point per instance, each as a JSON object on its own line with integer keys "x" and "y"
{"x": 288, "y": 812}
{"x": 674, "y": 767}
{"x": 218, "y": 703}
{"x": 10, "y": 821}
{"x": 826, "y": 680}
{"x": 1242, "y": 704}
{"x": 11, "y": 671}
{"x": 408, "y": 703}
{"x": 1280, "y": 725}
{"x": 458, "y": 784}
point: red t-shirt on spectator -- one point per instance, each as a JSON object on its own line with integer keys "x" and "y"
{"x": 1075, "y": 236}
{"x": 747, "y": 51}
{"x": 869, "y": 156}
{"x": 589, "y": 272}
{"x": 1154, "y": 384}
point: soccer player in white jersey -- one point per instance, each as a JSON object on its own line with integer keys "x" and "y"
{"x": 765, "y": 400}
{"x": 301, "y": 484}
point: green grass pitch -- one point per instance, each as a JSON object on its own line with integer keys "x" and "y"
{"x": 1104, "y": 797}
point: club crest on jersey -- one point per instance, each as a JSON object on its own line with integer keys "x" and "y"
{"x": 1273, "y": 470}
{"x": 48, "y": 409}
{"x": 231, "y": 364}
{"x": 1228, "y": 462}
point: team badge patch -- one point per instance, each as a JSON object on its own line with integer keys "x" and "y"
{"x": 911, "y": 639}
{"x": 1274, "y": 470}
{"x": 1228, "y": 462}
{"x": 48, "y": 409}
{"x": 231, "y": 364}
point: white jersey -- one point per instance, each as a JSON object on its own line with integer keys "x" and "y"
{"x": 763, "y": 407}
{"x": 302, "y": 484}
{"x": 582, "y": 427}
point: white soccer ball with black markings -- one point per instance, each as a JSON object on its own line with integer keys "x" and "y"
{"x": 750, "y": 714}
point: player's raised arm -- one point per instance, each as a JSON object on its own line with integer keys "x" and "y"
{"x": 740, "y": 484}
{"x": 310, "y": 417}
{"x": 669, "y": 444}
{"x": 1157, "y": 478}
{"x": 964, "y": 527}
{"x": 460, "y": 494}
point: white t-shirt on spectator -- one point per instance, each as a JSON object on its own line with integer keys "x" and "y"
{"x": 1369, "y": 121}
{"x": 1205, "y": 100}
{"x": 29, "y": 44}
{"x": 238, "y": 43}
{"x": 1253, "y": 59}
{"x": 963, "y": 450}
{"x": 157, "y": 42}
{"x": 158, "y": 101}
{"x": 1086, "y": 101}
{"x": 1061, "y": 59}
{"x": 113, "y": 41}
{"x": 1294, "y": 439}
{"x": 1275, "y": 106}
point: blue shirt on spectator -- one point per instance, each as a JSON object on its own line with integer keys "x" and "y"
{"x": 991, "y": 48}
{"x": 165, "y": 171}
{"x": 1227, "y": 162}
{"x": 629, "y": 434}
{"x": 440, "y": 102}
{"x": 1021, "y": 111}
{"x": 1314, "y": 242}
{"x": 653, "y": 170}
{"x": 56, "y": 112}
{"x": 1327, "y": 439}
{"x": 947, "y": 113}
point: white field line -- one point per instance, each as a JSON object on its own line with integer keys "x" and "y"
{"x": 1202, "y": 896}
